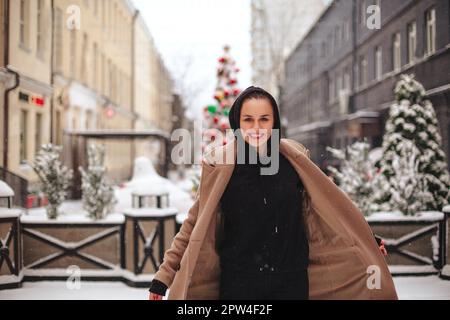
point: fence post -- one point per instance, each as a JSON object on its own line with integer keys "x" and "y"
{"x": 445, "y": 272}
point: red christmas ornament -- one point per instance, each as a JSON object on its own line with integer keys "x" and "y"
{"x": 216, "y": 120}
{"x": 236, "y": 91}
{"x": 222, "y": 59}
{"x": 226, "y": 93}
{"x": 233, "y": 81}
{"x": 224, "y": 104}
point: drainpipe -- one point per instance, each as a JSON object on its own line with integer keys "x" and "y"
{"x": 7, "y": 91}
{"x": 52, "y": 106}
{"x": 133, "y": 82}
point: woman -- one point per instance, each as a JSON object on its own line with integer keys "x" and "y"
{"x": 272, "y": 228}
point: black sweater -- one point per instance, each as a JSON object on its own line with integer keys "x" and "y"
{"x": 262, "y": 224}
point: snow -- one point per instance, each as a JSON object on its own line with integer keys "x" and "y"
{"x": 5, "y": 190}
{"x": 395, "y": 216}
{"x": 70, "y": 212}
{"x": 408, "y": 288}
{"x": 10, "y": 213}
{"x": 145, "y": 177}
{"x": 181, "y": 217}
{"x": 422, "y": 288}
{"x": 59, "y": 290}
{"x": 446, "y": 209}
{"x": 151, "y": 212}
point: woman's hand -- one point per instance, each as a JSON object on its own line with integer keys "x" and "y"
{"x": 383, "y": 248}
{"x": 154, "y": 296}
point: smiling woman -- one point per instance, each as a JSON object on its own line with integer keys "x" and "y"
{"x": 289, "y": 234}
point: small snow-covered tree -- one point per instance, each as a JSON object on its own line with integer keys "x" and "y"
{"x": 408, "y": 186}
{"x": 54, "y": 176}
{"x": 98, "y": 195}
{"x": 357, "y": 176}
{"x": 413, "y": 118}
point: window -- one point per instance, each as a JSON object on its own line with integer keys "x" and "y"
{"x": 95, "y": 66}
{"x": 40, "y": 37}
{"x": 412, "y": 41}
{"x": 73, "y": 52}
{"x": 431, "y": 30}
{"x": 362, "y": 13}
{"x": 38, "y": 132}
{"x": 84, "y": 52}
{"x": 346, "y": 83}
{"x": 396, "y": 52}
{"x": 378, "y": 63}
{"x": 58, "y": 40}
{"x": 362, "y": 71}
{"x": 58, "y": 127}
{"x": 331, "y": 89}
{"x": 24, "y": 20}
{"x": 23, "y": 136}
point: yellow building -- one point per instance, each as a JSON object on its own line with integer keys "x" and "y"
{"x": 92, "y": 74}
{"x": 97, "y": 69}
{"x": 29, "y": 51}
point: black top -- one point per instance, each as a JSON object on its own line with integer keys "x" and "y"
{"x": 262, "y": 225}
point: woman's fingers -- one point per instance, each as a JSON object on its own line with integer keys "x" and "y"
{"x": 383, "y": 248}
{"x": 154, "y": 296}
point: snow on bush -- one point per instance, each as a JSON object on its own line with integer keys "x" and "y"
{"x": 357, "y": 176}
{"x": 55, "y": 178}
{"x": 98, "y": 194}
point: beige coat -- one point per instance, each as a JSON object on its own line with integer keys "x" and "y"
{"x": 345, "y": 261}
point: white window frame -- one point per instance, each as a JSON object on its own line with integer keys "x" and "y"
{"x": 412, "y": 41}
{"x": 431, "y": 30}
{"x": 378, "y": 63}
{"x": 396, "y": 52}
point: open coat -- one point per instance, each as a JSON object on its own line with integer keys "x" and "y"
{"x": 345, "y": 261}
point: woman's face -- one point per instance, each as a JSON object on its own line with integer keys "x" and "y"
{"x": 256, "y": 121}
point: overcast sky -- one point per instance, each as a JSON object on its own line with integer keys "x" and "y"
{"x": 196, "y": 30}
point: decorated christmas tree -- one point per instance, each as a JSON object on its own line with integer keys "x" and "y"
{"x": 215, "y": 116}
{"x": 98, "y": 195}
{"x": 412, "y": 119}
{"x": 54, "y": 176}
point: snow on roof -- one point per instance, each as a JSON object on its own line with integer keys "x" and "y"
{"x": 5, "y": 190}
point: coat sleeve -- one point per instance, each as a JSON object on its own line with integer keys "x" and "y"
{"x": 172, "y": 257}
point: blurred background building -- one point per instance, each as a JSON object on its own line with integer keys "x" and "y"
{"x": 277, "y": 27}
{"x": 79, "y": 66}
{"x": 340, "y": 78}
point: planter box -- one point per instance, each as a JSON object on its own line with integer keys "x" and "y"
{"x": 416, "y": 245}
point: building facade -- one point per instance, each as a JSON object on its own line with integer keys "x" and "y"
{"x": 82, "y": 66}
{"x": 340, "y": 78}
{"x": 276, "y": 28}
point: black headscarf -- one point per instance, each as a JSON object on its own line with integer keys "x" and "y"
{"x": 253, "y": 92}
{"x": 235, "y": 115}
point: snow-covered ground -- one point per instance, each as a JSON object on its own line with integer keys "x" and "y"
{"x": 408, "y": 288}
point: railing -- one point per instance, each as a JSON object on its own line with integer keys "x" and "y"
{"x": 18, "y": 184}
{"x": 415, "y": 245}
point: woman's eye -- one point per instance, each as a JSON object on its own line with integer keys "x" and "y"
{"x": 247, "y": 120}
